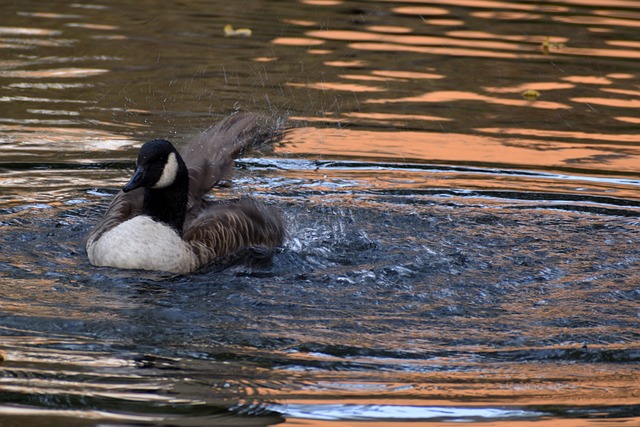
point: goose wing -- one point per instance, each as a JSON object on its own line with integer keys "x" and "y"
{"x": 209, "y": 157}
{"x": 226, "y": 227}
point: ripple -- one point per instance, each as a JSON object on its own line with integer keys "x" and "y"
{"x": 399, "y": 412}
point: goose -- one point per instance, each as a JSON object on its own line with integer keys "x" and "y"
{"x": 160, "y": 220}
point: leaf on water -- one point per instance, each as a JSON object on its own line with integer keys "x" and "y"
{"x": 229, "y": 31}
{"x": 531, "y": 94}
{"x": 546, "y": 45}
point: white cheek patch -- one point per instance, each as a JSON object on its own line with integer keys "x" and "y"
{"x": 169, "y": 172}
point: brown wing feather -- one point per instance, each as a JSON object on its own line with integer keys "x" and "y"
{"x": 230, "y": 226}
{"x": 209, "y": 157}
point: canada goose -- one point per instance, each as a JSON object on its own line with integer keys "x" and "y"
{"x": 160, "y": 221}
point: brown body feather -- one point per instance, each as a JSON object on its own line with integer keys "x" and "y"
{"x": 229, "y": 226}
{"x": 213, "y": 229}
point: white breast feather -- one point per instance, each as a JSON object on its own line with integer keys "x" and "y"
{"x": 142, "y": 243}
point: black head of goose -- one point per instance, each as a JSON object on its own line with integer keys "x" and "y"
{"x": 160, "y": 221}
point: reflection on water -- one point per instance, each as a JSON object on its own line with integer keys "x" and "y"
{"x": 457, "y": 252}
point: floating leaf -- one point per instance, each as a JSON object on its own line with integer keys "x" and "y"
{"x": 531, "y": 94}
{"x": 229, "y": 31}
{"x": 546, "y": 45}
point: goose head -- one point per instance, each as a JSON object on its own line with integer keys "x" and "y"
{"x": 164, "y": 176}
{"x": 158, "y": 166}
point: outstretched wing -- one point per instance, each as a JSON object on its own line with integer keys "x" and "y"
{"x": 209, "y": 157}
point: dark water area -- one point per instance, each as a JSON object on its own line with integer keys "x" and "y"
{"x": 460, "y": 183}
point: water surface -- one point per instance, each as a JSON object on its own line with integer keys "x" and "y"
{"x": 459, "y": 180}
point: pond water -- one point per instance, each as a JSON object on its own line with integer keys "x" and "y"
{"x": 460, "y": 182}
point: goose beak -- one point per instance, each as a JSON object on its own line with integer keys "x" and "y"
{"x": 135, "y": 181}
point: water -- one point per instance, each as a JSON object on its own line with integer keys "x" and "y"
{"x": 456, "y": 252}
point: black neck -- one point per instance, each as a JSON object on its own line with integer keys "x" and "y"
{"x": 169, "y": 204}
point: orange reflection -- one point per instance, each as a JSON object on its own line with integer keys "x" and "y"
{"x": 355, "y": 36}
{"x": 491, "y": 4}
{"x": 459, "y": 148}
{"x": 625, "y": 14}
{"x": 587, "y": 80}
{"x": 344, "y": 35}
{"x": 597, "y": 20}
{"x": 634, "y": 120}
{"x": 297, "y": 41}
{"x": 386, "y": 116}
{"x": 624, "y": 43}
{"x": 563, "y": 134}
{"x": 440, "y": 51}
{"x": 299, "y": 22}
{"x": 620, "y": 76}
{"x": 610, "y": 53}
{"x": 337, "y": 86}
{"x": 451, "y": 96}
{"x": 365, "y": 77}
{"x": 444, "y": 22}
{"x": 321, "y": 2}
{"x": 420, "y": 10}
{"x": 411, "y": 75}
{"x": 631, "y": 4}
{"x": 265, "y": 59}
{"x": 622, "y": 91}
{"x": 385, "y": 76}
{"x": 542, "y": 86}
{"x": 388, "y": 29}
{"x": 600, "y": 30}
{"x": 516, "y": 38}
{"x": 508, "y": 16}
{"x": 609, "y": 102}
{"x": 314, "y": 119}
{"x": 346, "y": 64}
